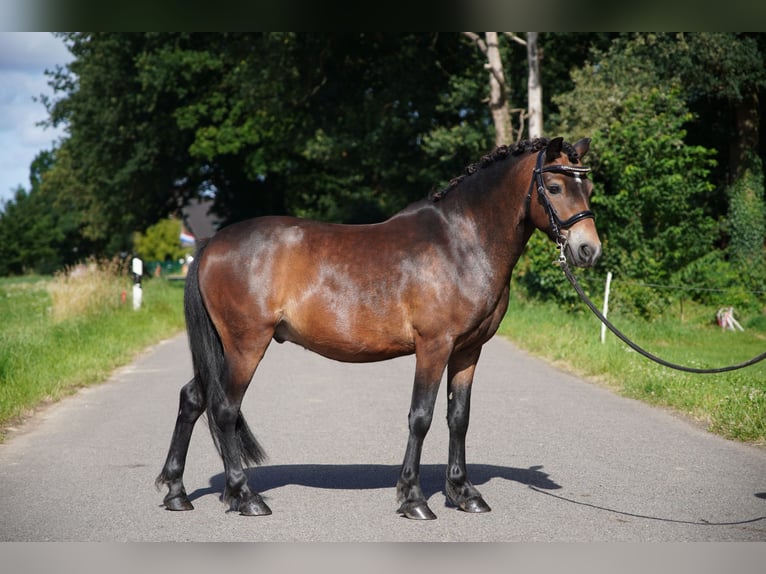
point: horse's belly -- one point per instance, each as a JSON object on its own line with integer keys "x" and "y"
{"x": 350, "y": 343}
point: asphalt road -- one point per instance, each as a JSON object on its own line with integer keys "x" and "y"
{"x": 557, "y": 459}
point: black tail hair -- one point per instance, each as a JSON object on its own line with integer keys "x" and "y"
{"x": 208, "y": 363}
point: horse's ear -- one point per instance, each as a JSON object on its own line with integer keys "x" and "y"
{"x": 582, "y": 147}
{"x": 553, "y": 151}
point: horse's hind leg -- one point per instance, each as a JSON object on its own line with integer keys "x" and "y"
{"x": 460, "y": 491}
{"x": 234, "y": 439}
{"x": 191, "y": 406}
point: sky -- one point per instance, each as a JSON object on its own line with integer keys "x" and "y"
{"x": 24, "y": 57}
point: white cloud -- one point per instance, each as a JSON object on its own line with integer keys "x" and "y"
{"x": 32, "y": 51}
{"x": 24, "y": 57}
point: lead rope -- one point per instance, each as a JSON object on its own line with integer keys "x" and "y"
{"x": 562, "y": 261}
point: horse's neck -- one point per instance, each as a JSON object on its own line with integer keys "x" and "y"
{"x": 497, "y": 202}
{"x": 494, "y": 207}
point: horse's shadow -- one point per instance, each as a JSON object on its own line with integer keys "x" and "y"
{"x": 432, "y": 476}
{"x": 372, "y": 476}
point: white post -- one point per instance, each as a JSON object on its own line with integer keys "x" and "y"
{"x": 137, "y": 295}
{"x": 606, "y": 304}
{"x": 138, "y": 271}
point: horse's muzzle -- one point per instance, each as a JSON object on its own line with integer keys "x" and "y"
{"x": 582, "y": 250}
{"x": 586, "y": 255}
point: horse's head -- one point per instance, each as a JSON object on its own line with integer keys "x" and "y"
{"x": 562, "y": 208}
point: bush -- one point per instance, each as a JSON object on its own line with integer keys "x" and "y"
{"x": 717, "y": 281}
{"x": 746, "y": 218}
{"x": 161, "y": 242}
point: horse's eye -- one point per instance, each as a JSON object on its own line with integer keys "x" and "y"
{"x": 554, "y": 189}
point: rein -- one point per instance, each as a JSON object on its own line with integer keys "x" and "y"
{"x": 557, "y": 225}
{"x": 569, "y": 275}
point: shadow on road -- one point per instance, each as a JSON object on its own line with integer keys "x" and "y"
{"x": 372, "y": 476}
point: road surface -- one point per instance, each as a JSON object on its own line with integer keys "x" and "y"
{"x": 557, "y": 459}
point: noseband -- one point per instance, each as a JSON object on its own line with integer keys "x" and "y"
{"x": 537, "y": 177}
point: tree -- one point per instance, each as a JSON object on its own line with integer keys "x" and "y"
{"x": 319, "y": 125}
{"x": 352, "y": 127}
{"x": 24, "y": 236}
{"x": 534, "y": 87}
{"x": 498, "y": 99}
{"x": 161, "y": 242}
{"x": 650, "y": 186}
{"x": 124, "y": 164}
{"x": 722, "y": 73}
{"x": 499, "y": 88}
{"x": 36, "y": 234}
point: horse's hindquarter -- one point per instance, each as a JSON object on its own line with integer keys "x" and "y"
{"x": 351, "y": 293}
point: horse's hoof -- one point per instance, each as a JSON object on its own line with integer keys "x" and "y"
{"x": 465, "y": 497}
{"x": 416, "y": 511}
{"x": 475, "y": 505}
{"x": 254, "y": 507}
{"x": 178, "y": 503}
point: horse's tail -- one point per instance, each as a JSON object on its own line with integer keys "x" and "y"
{"x": 208, "y": 363}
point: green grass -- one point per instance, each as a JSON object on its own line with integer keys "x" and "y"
{"x": 730, "y": 404}
{"x": 53, "y": 341}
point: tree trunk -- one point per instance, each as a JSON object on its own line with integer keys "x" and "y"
{"x": 534, "y": 88}
{"x": 498, "y": 100}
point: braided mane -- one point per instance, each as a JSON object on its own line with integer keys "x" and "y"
{"x": 501, "y": 153}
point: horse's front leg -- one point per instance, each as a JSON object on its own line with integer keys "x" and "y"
{"x": 460, "y": 491}
{"x": 428, "y": 373}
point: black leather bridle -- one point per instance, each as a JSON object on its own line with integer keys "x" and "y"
{"x": 537, "y": 178}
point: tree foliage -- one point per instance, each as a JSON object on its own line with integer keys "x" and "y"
{"x": 651, "y": 188}
{"x": 37, "y": 233}
{"x": 25, "y": 243}
{"x": 319, "y": 125}
{"x": 160, "y": 241}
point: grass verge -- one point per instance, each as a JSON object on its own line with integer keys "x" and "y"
{"x": 59, "y": 334}
{"x": 730, "y": 404}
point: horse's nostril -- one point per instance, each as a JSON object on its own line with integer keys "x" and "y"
{"x": 588, "y": 254}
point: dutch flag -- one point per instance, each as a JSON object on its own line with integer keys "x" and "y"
{"x": 187, "y": 238}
